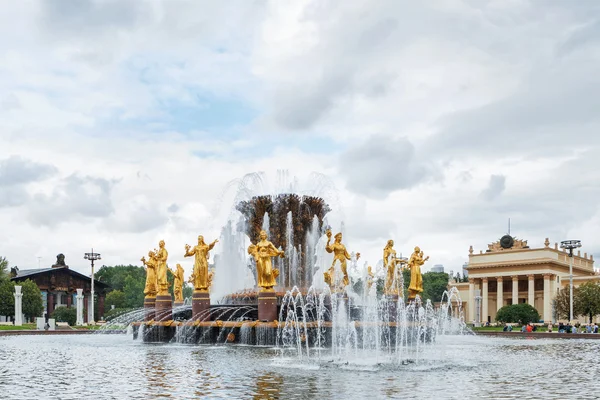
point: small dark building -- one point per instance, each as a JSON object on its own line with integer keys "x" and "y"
{"x": 59, "y": 285}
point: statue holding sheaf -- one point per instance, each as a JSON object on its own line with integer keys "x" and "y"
{"x": 262, "y": 252}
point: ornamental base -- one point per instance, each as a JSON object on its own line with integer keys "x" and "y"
{"x": 163, "y": 308}
{"x": 201, "y": 306}
{"x": 267, "y": 306}
{"x": 149, "y": 304}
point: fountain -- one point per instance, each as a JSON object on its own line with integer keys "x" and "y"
{"x": 281, "y": 281}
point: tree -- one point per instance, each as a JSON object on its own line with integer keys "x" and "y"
{"x": 3, "y": 268}
{"x": 188, "y": 291}
{"x": 586, "y": 300}
{"x": 134, "y": 292}
{"x": 521, "y": 313}
{"x": 116, "y": 298}
{"x": 32, "y": 299}
{"x": 7, "y": 298}
{"x": 116, "y": 276}
{"x": 562, "y": 303}
{"x": 64, "y": 314}
{"x": 434, "y": 285}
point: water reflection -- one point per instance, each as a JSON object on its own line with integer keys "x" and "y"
{"x": 115, "y": 367}
{"x": 268, "y": 386}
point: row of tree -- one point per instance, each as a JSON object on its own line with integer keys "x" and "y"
{"x": 586, "y": 301}
{"x": 128, "y": 283}
{"x": 33, "y": 305}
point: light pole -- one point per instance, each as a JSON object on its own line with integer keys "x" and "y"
{"x": 570, "y": 245}
{"x": 92, "y": 257}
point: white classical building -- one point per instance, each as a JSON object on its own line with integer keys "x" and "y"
{"x": 510, "y": 272}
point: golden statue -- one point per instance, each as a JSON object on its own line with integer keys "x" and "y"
{"x": 161, "y": 269}
{"x": 416, "y": 279}
{"x": 150, "y": 266}
{"x": 370, "y": 276}
{"x": 201, "y": 253}
{"x": 262, "y": 253}
{"x": 211, "y": 275}
{"x": 339, "y": 254}
{"x": 389, "y": 265}
{"x": 178, "y": 283}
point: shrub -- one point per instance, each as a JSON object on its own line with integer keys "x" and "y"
{"x": 64, "y": 314}
{"x": 522, "y": 313}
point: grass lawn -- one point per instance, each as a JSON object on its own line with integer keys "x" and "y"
{"x": 17, "y": 328}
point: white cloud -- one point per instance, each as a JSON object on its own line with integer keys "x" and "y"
{"x": 121, "y": 124}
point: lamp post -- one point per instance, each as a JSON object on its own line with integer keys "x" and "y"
{"x": 92, "y": 257}
{"x": 570, "y": 245}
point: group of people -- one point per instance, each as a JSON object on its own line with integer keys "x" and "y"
{"x": 562, "y": 328}
{"x": 568, "y": 328}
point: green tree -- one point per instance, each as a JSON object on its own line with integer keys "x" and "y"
{"x": 521, "y": 313}
{"x": 188, "y": 291}
{"x": 586, "y": 300}
{"x": 7, "y": 298}
{"x": 134, "y": 292}
{"x": 562, "y": 302}
{"x": 33, "y": 305}
{"x": 116, "y": 298}
{"x": 3, "y": 268}
{"x": 64, "y": 314}
{"x": 434, "y": 285}
{"x": 116, "y": 276}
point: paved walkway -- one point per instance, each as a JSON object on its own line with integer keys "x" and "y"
{"x": 56, "y": 332}
{"x": 538, "y": 335}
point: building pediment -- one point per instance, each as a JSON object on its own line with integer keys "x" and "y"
{"x": 507, "y": 242}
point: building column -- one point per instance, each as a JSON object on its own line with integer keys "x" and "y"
{"x": 471, "y": 300}
{"x": 69, "y": 300}
{"x": 515, "y": 289}
{"x": 531, "y": 290}
{"x": 499, "y": 293}
{"x": 484, "y": 300}
{"x": 547, "y": 299}
{"x": 50, "y": 304}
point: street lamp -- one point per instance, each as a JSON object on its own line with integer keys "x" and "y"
{"x": 570, "y": 245}
{"x": 92, "y": 257}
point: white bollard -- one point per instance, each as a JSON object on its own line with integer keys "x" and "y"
{"x": 79, "y": 300}
{"x": 18, "y": 306}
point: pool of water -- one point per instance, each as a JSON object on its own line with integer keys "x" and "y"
{"x": 456, "y": 367}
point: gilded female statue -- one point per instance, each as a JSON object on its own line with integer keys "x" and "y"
{"x": 389, "y": 264}
{"x": 339, "y": 254}
{"x": 150, "y": 266}
{"x": 370, "y": 276}
{"x": 262, "y": 253}
{"x": 201, "y": 253}
{"x": 416, "y": 279}
{"x": 161, "y": 269}
{"x": 178, "y": 283}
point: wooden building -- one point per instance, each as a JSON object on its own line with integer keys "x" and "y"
{"x": 59, "y": 285}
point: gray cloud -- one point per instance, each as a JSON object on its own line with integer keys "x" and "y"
{"x": 85, "y": 16}
{"x": 382, "y": 165}
{"x": 74, "y": 197}
{"x": 16, "y": 170}
{"x": 13, "y": 196}
{"x": 173, "y": 208}
{"x": 495, "y": 187}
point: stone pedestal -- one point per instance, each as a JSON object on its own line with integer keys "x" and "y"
{"x": 79, "y": 305}
{"x": 149, "y": 303}
{"x": 18, "y": 306}
{"x": 267, "y": 306}
{"x": 201, "y": 306}
{"x": 163, "y": 308}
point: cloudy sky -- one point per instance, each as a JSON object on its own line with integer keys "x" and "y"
{"x": 124, "y": 122}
